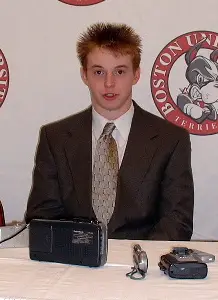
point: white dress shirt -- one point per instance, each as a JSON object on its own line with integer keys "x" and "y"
{"x": 120, "y": 133}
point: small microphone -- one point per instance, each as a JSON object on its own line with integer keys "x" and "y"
{"x": 137, "y": 248}
{"x": 140, "y": 262}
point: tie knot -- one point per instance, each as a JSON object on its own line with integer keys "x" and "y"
{"x": 108, "y": 129}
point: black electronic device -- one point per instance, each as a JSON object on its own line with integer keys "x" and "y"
{"x": 78, "y": 242}
{"x": 180, "y": 263}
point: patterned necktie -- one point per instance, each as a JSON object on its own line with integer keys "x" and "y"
{"x": 104, "y": 176}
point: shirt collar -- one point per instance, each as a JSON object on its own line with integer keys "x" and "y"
{"x": 123, "y": 123}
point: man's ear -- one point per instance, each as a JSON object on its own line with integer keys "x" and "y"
{"x": 83, "y": 74}
{"x": 137, "y": 74}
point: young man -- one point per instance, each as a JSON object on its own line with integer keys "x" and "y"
{"x": 115, "y": 161}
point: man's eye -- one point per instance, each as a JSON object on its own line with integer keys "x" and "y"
{"x": 99, "y": 72}
{"x": 120, "y": 72}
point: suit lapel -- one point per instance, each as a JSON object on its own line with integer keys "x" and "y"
{"x": 78, "y": 148}
{"x": 140, "y": 149}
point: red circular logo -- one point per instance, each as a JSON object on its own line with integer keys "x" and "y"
{"x": 4, "y": 78}
{"x": 81, "y": 2}
{"x": 184, "y": 82}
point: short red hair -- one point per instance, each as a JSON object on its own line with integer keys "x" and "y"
{"x": 117, "y": 38}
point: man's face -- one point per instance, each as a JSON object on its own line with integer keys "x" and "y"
{"x": 110, "y": 78}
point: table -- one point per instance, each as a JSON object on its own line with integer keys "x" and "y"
{"x": 21, "y": 278}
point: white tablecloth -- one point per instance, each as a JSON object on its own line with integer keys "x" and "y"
{"x": 21, "y": 278}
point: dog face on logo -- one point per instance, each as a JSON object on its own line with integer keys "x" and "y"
{"x": 200, "y": 99}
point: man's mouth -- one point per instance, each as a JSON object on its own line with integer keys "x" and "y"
{"x": 110, "y": 96}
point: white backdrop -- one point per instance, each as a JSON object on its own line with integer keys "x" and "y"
{"x": 38, "y": 40}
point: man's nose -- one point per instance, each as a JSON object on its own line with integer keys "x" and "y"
{"x": 109, "y": 80}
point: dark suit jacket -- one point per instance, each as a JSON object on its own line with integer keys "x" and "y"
{"x": 155, "y": 185}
